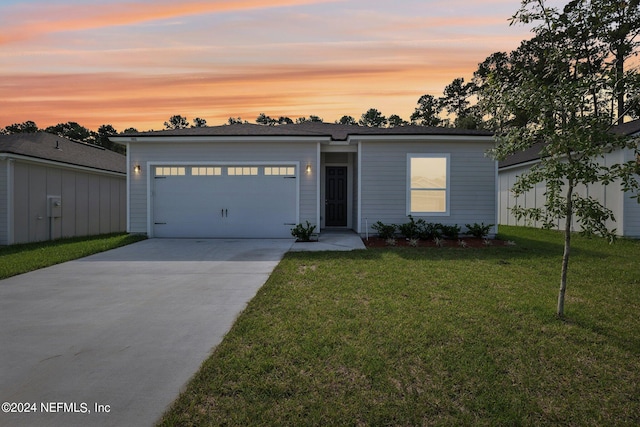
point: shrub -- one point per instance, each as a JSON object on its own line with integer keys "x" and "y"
{"x": 450, "y": 231}
{"x": 429, "y": 231}
{"x": 479, "y": 230}
{"x": 303, "y": 233}
{"x": 385, "y": 231}
{"x": 411, "y": 229}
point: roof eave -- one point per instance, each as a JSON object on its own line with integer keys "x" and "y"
{"x": 421, "y": 137}
{"x": 217, "y": 138}
{"x": 5, "y": 155}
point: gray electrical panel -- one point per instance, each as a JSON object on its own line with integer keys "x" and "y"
{"x": 54, "y": 206}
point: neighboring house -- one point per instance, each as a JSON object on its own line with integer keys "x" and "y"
{"x": 626, "y": 210}
{"x": 52, "y": 187}
{"x": 244, "y": 180}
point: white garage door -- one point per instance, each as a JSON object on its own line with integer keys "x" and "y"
{"x": 239, "y": 201}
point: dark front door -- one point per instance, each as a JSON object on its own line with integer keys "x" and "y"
{"x": 336, "y": 196}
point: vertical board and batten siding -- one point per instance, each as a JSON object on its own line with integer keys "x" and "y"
{"x": 631, "y": 217}
{"x": 611, "y": 196}
{"x": 174, "y": 152}
{"x": 80, "y": 193}
{"x": 4, "y": 201}
{"x": 472, "y": 193}
{"x": 631, "y": 206}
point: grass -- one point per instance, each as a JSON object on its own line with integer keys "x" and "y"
{"x": 432, "y": 336}
{"x": 22, "y": 258}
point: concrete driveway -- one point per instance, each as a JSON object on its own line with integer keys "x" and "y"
{"x": 124, "y": 329}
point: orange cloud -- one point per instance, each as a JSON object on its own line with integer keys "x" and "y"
{"x": 29, "y": 21}
{"x": 133, "y": 100}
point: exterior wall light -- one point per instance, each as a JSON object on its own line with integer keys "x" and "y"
{"x": 308, "y": 170}
{"x": 137, "y": 168}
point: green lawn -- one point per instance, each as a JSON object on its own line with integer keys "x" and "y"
{"x": 433, "y": 336}
{"x": 18, "y": 259}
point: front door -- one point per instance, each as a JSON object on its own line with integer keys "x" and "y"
{"x": 336, "y": 196}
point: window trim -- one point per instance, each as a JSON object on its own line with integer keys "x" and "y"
{"x": 447, "y": 189}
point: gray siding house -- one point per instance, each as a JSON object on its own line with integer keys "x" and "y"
{"x": 52, "y": 187}
{"x": 625, "y": 209}
{"x": 247, "y": 180}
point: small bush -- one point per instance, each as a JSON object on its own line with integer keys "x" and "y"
{"x": 303, "y": 233}
{"x": 450, "y": 231}
{"x": 411, "y": 229}
{"x": 429, "y": 231}
{"x": 479, "y": 230}
{"x": 385, "y": 231}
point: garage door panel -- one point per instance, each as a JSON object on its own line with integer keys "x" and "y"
{"x": 261, "y": 205}
{"x": 184, "y": 207}
{"x": 224, "y": 205}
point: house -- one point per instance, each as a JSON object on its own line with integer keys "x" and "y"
{"x": 52, "y": 187}
{"x": 245, "y": 180}
{"x": 626, "y": 210}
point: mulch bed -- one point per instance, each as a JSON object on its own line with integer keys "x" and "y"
{"x": 471, "y": 242}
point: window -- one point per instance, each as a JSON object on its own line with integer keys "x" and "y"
{"x": 428, "y": 187}
{"x": 205, "y": 171}
{"x": 169, "y": 171}
{"x": 279, "y": 170}
{"x": 242, "y": 170}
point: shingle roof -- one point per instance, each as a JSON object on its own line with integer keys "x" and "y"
{"x": 47, "y": 146}
{"x": 533, "y": 152}
{"x": 336, "y": 132}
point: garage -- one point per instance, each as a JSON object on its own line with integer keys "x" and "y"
{"x": 224, "y": 201}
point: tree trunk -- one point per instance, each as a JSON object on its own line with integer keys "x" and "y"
{"x": 567, "y": 251}
{"x": 620, "y": 84}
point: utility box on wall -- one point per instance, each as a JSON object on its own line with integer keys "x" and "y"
{"x": 54, "y": 206}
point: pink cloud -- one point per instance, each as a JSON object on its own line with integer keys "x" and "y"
{"x": 34, "y": 20}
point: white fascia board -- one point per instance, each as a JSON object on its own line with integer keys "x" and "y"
{"x": 59, "y": 164}
{"x": 426, "y": 138}
{"x": 183, "y": 139}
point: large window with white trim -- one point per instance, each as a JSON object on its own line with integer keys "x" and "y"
{"x": 428, "y": 184}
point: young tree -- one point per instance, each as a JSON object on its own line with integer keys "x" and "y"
{"x": 176, "y": 122}
{"x": 373, "y": 118}
{"x": 563, "y": 95}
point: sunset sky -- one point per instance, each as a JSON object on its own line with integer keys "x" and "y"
{"x": 136, "y": 63}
